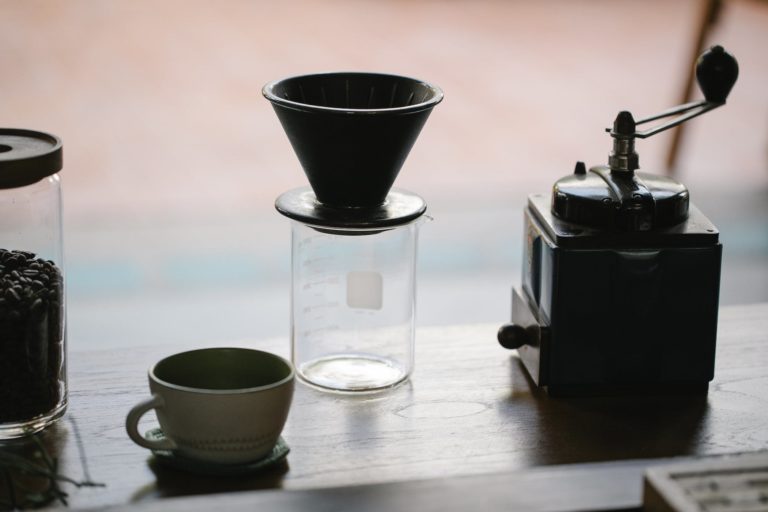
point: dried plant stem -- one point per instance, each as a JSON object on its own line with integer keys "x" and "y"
{"x": 39, "y": 465}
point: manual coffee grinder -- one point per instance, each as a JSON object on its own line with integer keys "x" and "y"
{"x": 621, "y": 273}
{"x": 353, "y": 237}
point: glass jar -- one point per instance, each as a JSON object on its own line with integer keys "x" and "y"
{"x": 33, "y": 386}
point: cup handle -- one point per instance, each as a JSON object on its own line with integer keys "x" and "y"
{"x": 132, "y": 425}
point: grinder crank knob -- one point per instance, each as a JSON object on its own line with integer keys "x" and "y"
{"x": 716, "y": 73}
{"x": 512, "y": 336}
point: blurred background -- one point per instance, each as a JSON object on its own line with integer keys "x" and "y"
{"x": 173, "y": 159}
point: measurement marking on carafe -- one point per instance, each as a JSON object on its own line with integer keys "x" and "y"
{"x": 321, "y": 282}
{"x": 320, "y": 307}
{"x": 314, "y": 261}
{"x": 319, "y": 330}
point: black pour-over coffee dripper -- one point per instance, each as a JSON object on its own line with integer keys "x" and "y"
{"x": 351, "y": 132}
{"x": 353, "y": 237}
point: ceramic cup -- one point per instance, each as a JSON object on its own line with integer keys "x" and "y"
{"x": 222, "y": 405}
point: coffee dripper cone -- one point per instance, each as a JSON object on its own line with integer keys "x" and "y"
{"x": 352, "y": 131}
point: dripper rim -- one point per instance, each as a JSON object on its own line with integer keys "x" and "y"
{"x": 437, "y": 96}
{"x": 401, "y": 207}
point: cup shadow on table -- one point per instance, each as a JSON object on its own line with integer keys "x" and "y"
{"x": 594, "y": 429}
{"x": 170, "y": 482}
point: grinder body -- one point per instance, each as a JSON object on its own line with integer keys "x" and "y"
{"x": 613, "y": 312}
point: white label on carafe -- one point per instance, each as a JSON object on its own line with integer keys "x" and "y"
{"x": 364, "y": 290}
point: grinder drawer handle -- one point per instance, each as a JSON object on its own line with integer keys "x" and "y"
{"x": 512, "y": 336}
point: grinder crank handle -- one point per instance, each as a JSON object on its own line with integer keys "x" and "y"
{"x": 716, "y": 73}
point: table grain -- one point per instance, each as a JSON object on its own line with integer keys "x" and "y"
{"x": 469, "y": 409}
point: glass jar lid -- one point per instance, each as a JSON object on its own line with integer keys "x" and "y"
{"x": 27, "y": 156}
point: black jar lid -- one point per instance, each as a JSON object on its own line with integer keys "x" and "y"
{"x": 623, "y": 201}
{"x": 400, "y": 207}
{"x": 27, "y": 156}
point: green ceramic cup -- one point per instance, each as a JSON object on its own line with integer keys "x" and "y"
{"x": 222, "y": 405}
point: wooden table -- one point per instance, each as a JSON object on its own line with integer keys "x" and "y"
{"x": 470, "y": 409}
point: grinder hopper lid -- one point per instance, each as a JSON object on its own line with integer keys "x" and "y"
{"x": 614, "y": 196}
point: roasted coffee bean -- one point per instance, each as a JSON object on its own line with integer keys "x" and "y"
{"x": 36, "y": 306}
{"x": 31, "y": 336}
{"x": 12, "y": 295}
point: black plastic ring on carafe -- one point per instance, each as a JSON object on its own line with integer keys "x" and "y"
{"x": 400, "y": 207}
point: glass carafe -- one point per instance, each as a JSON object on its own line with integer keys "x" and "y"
{"x": 353, "y": 305}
